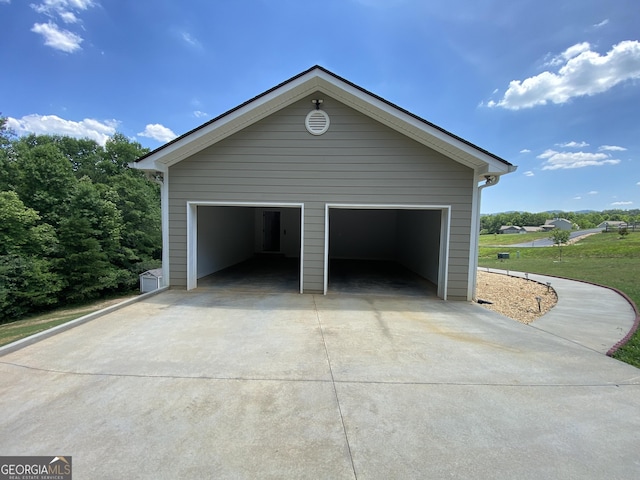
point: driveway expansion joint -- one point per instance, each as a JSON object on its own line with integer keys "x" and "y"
{"x": 335, "y": 390}
{"x": 625, "y": 383}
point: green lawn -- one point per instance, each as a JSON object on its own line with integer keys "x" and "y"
{"x": 604, "y": 258}
{"x": 11, "y": 332}
{"x": 510, "y": 239}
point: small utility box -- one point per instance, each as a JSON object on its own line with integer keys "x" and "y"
{"x": 150, "y": 280}
{"x": 503, "y": 256}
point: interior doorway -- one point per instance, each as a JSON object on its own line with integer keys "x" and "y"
{"x": 271, "y": 231}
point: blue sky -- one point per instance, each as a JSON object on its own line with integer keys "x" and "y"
{"x": 551, "y": 86}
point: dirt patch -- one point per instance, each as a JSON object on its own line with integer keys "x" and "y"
{"x": 514, "y": 297}
{"x": 577, "y": 239}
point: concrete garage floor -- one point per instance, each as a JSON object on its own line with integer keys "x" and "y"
{"x": 276, "y": 274}
{"x": 214, "y": 384}
{"x": 376, "y": 278}
{"x": 261, "y": 274}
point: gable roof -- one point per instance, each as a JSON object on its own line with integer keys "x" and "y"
{"x": 319, "y": 79}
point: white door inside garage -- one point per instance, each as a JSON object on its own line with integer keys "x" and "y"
{"x": 250, "y": 243}
{"x": 375, "y": 239}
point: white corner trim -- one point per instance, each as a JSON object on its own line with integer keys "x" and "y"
{"x": 164, "y": 223}
{"x": 192, "y": 245}
{"x": 445, "y": 239}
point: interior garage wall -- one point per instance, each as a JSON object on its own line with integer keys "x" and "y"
{"x": 418, "y": 242}
{"x": 225, "y": 237}
{"x": 362, "y": 234}
{"x": 290, "y": 229}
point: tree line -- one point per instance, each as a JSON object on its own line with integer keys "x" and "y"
{"x": 584, "y": 220}
{"x": 76, "y": 223}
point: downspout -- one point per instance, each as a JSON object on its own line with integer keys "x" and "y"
{"x": 490, "y": 181}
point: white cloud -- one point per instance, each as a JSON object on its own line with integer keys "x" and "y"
{"x": 582, "y": 72}
{"x": 565, "y": 160}
{"x": 573, "y": 144}
{"x": 619, "y": 204}
{"x": 612, "y": 148}
{"x": 602, "y": 23}
{"x": 529, "y": 174}
{"x": 191, "y": 40}
{"x": 65, "y": 10}
{"x": 100, "y": 131}
{"x": 54, "y": 37}
{"x": 158, "y": 132}
{"x": 525, "y": 150}
{"x": 593, "y": 192}
{"x": 60, "y": 7}
{"x": 200, "y": 114}
{"x": 577, "y": 198}
{"x": 569, "y": 53}
{"x": 68, "y": 17}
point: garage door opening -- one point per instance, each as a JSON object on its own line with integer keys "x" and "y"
{"x": 386, "y": 250}
{"x": 253, "y": 247}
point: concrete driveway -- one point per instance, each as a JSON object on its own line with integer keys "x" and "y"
{"x": 232, "y": 385}
{"x": 547, "y": 242}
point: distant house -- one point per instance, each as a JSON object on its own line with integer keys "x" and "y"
{"x": 559, "y": 223}
{"x": 612, "y": 225}
{"x": 510, "y": 229}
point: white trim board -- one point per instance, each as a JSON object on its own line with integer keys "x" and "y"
{"x": 192, "y": 233}
{"x": 445, "y": 223}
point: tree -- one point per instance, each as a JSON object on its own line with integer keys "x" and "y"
{"x": 559, "y": 238}
{"x": 27, "y": 277}
{"x": 138, "y": 201}
{"x": 7, "y": 168}
{"x": 45, "y": 179}
{"x": 90, "y": 243}
{"x": 76, "y": 222}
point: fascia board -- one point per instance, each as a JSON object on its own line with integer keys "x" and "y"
{"x": 231, "y": 123}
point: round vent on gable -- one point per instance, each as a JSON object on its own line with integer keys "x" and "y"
{"x": 317, "y": 122}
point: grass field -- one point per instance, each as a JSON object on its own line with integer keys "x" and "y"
{"x": 11, "y": 332}
{"x": 604, "y": 258}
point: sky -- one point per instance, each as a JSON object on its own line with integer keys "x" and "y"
{"x": 550, "y": 86}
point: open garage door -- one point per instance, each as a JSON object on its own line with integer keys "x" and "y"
{"x": 249, "y": 246}
{"x": 386, "y": 249}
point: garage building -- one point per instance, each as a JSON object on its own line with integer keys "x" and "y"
{"x": 323, "y": 177}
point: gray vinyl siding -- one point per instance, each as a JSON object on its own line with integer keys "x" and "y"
{"x": 357, "y": 161}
